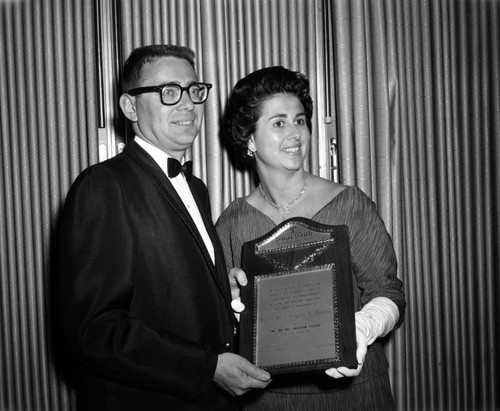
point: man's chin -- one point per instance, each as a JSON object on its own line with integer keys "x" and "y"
{"x": 188, "y": 137}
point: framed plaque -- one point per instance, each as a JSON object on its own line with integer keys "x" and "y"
{"x": 299, "y": 301}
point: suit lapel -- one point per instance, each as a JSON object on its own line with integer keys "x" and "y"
{"x": 153, "y": 170}
{"x": 220, "y": 269}
{"x": 207, "y": 220}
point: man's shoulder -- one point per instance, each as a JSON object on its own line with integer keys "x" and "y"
{"x": 106, "y": 168}
{"x": 116, "y": 164}
{"x": 112, "y": 175}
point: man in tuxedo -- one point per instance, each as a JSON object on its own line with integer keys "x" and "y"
{"x": 144, "y": 295}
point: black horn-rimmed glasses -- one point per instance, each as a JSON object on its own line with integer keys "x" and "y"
{"x": 171, "y": 93}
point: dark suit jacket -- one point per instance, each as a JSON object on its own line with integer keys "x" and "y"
{"x": 144, "y": 310}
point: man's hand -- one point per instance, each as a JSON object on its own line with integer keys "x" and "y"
{"x": 362, "y": 347}
{"x": 236, "y": 375}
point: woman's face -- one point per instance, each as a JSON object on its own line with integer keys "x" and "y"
{"x": 281, "y": 136}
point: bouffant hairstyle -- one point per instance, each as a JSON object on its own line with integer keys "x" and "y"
{"x": 244, "y": 106}
{"x": 149, "y": 54}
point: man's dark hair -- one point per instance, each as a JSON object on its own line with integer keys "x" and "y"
{"x": 148, "y": 54}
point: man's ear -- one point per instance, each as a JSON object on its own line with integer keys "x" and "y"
{"x": 127, "y": 104}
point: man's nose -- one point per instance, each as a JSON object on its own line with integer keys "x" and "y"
{"x": 185, "y": 103}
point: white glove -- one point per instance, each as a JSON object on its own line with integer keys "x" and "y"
{"x": 377, "y": 318}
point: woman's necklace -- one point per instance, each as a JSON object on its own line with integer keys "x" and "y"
{"x": 284, "y": 208}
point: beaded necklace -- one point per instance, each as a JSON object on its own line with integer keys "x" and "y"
{"x": 285, "y": 208}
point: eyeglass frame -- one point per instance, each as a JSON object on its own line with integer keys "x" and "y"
{"x": 151, "y": 89}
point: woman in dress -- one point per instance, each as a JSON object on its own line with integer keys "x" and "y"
{"x": 268, "y": 122}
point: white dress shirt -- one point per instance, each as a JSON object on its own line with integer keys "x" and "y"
{"x": 181, "y": 186}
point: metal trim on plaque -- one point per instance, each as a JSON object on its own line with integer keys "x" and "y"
{"x": 301, "y": 233}
{"x": 299, "y": 313}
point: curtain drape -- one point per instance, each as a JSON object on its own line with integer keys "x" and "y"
{"x": 406, "y": 92}
{"x": 231, "y": 38}
{"x": 48, "y": 134}
{"x": 418, "y": 123}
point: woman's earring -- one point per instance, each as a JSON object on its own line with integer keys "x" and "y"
{"x": 251, "y": 149}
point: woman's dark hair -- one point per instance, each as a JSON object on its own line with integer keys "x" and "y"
{"x": 244, "y": 107}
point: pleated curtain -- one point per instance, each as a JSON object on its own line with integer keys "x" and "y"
{"x": 418, "y": 100}
{"x": 48, "y": 134}
{"x": 232, "y": 38}
{"x": 407, "y": 107}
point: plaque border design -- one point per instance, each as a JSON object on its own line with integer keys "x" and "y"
{"x": 282, "y": 228}
{"x": 330, "y": 247}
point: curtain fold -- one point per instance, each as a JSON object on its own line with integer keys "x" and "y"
{"x": 407, "y": 90}
{"x": 418, "y": 114}
{"x": 231, "y": 38}
{"x": 48, "y": 135}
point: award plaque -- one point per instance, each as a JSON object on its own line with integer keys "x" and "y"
{"x": 299, "y": 301}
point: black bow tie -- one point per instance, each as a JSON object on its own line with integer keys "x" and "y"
{"x": 175, "y": 167}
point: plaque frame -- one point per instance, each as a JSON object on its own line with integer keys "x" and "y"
{"x": 287, "y": 270}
